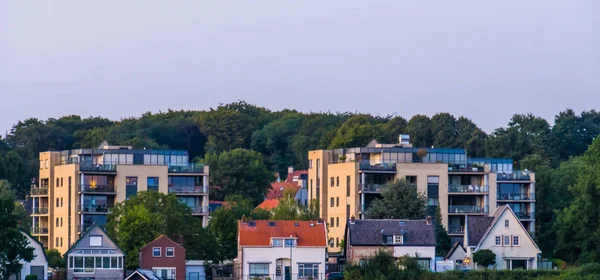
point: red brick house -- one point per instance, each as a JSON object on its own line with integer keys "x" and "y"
{"x": 165, "y": 257}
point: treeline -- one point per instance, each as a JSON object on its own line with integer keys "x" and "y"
{"x": 282, "y": 139}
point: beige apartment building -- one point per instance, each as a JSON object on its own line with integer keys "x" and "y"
{"x": 77, "y": 188}
{"x": 346, "y": 181}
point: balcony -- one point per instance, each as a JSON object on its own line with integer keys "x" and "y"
{"x": 525, "y": 215}
{"x": 98, "y": 167}
{"x": 200, "y": 210}
{"x": 515, "y": 196}
{"x": 365, "y": 207}
{"x": 466, "y": 189}
{"x": 377, "y": 166}
{"x": 182, "y": 190}
{"x": 39, "y": 191}
{"x": 462, "y": 168}
{"x": 467, "y": 209}
{"x": 188, "y": 168}
{"x": 456, "y": 230}
{"x": 372, "y": 188}
{"x": 97, "y": 189}
{"x": 39, "y": 230}
{"x": 514, "y": 176}
{"x": 39, "y": 211}
{"x": 100, "y": 209}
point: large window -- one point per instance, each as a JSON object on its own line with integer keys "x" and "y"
{"x": 152, "y": 184}
{"x": 348, "y": 186}
{"x": 424, "y": 263}
{"x": 87, "y": 264}
{"x": 190, "y": 201}
{"x": 277, "y": 242}
{"x": 130, "y": 186}
{"x": 259, "y": 270}
{"x": 308, "y": 270}
{"x": 185, "y": 181}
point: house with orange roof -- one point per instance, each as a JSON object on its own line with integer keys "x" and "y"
{"x": 294, "y": 184}
{"x": 269, "y": 204}
{"x": 285, "y": 250}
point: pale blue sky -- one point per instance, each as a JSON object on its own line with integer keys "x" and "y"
{"x": 475, "y": 58}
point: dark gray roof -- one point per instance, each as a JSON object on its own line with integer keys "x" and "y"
{"x": 369, "y": 232}
{"x": 476, "y": 228}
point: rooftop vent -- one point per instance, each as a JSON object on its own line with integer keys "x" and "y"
{"x": 311, "y": 224}
{"x": 296, "y": 224}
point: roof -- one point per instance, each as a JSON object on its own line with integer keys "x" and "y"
{"x": 297, "y": 173}
{"x": 195, "y": 262}
{"x": 497, "y": 214}
{"x": 370, "y": 232}
{"x": 36, "y": 241}
{"x": 456, "y": 246}
{"x": 162, "y": 236}
{"x": 259, "y": 232}
{"x": 476, "y": 228}
{"x": 74, "y": 246}
{"x": 279, "y": 188}
{"x": 268, "y": 204}
{"x": 144, "y": 273}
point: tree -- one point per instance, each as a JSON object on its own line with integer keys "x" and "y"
{"x": 485, "y": 258}
{"x": 223, "y": 225}
{"x": 15, "y": 246}
{"x": 419, "y": 129}
{"x": 55, "y": 259}
{"x": 399, "y": 200}
{"x": 470, "y": 137}
{"x": 240, "y": 172}
{"x": 443, "y": 244}
{"x": 443, "y": 129}
{"x": 358, "y": 130}
{"x": 316, "y": 132}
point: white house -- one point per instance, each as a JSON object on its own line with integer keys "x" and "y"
{"x": 457, "y": 254}
{"x": 414, "y": 238}
{"x": 281, "y": 250}
{"x": 503, "y": 234}
{"x": 39, "y": 264}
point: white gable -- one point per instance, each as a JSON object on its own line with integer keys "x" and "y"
{"x": 458, "y": 254}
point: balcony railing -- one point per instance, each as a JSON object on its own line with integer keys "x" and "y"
{"x": 467, "y": 209}
{"x": 39, "y": 210}
{"x": 515, "y": 196}
{"x": 456, "y": 230}
{"x": 468, "y": 189}
{"x": 525, "y": 215}
{"x": 462, "y": 168}
{"x": 94, "y": 208}
{"x": 97, "y": 188}
{"x": 39, "y": 191}
{"x": 364, "y": 208}
{"x": 188, "y": 168}
{"x": 200, "y": 210}
{"x": 372, "y": 187}
{"x": 39, "y": 230}
{"x": 377, "y": 165}
{"x": 98, "y": 167}
{"x": 188, "y": 190}
{"x": 514, "y": 176}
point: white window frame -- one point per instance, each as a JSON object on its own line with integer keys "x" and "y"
{"x": 255, "y": 274}
{"x": 172, "y": 251}
{"x": 159, "y": 252}
{"x": 506, "y": 223}
{"x": 304, "y": 267}
{"x": 168, "y": 269}
{"x": 278, "y": 240}
{"x": 505, "y": 238}
{"x": 498, "y": 240}
{"x": 96, "y": 238}
{"x": 398, "y": 239}
{"x": 516, "y": 238}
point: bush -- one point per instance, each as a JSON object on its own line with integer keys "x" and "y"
{"x": 31, "y": 277}
{"x": 484, "y": 257}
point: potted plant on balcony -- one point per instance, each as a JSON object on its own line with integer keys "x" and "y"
{"x": 342, "y": 158}
{"x": 422, "y": 153}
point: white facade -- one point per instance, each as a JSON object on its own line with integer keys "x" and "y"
{"x": 420, "y": 252}
{"x": 520, "y": 250}
{"x": 39, "y": 262}
{"x": 278, "y": 258}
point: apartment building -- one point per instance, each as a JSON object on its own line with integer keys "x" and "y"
{"x": 346, "y": 181}
{"x": 78, "y": 188}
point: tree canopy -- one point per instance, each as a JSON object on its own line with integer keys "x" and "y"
{"x": 400, "y": 200}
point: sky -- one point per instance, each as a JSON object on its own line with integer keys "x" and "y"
{"x": 481, "y": 59}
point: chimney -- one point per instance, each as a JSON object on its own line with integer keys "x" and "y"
{"x": 244, "y": 220}
{"x": 428, "y": 220}
{"x": 352, "y": 220}
{"x": 290, "y": 170}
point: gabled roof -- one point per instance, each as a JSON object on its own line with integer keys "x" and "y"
{"x": 476, "y": 228}
{"x": 457, "y": 246}
{"x": 297, "y": 173}
{"x": 279, "y": 188}
{"x": 94, "y": 225}
{"x": 370, "y": 232}
{"x": 268, "y": 204}
{"x": 260, "y": 232}
{"x": 36, "y": 241}
{"x": 162, "y": 236}
{"x": 144, "y": 273}
{"x": 497, "y": 214}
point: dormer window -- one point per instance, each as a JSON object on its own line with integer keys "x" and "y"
{"x": 398, "y": 239}
{"x": 289, "y": 243}
{"x": 277, "y": 242}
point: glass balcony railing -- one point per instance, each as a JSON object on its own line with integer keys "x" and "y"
{"x": 525, "y": 215}
{"x": 39, "y": 210}
{"x": 97, "y": 188}
{"x": 514, "y": 176}
{"x": 467, "y": 189}
{"x": 456, "y": 230}
{"x": 98, "y": 167}
{"x": 377, "y": 165}
{"x": 94, "y": 208}
{"x": 452, "y": 209}
{"x": 188, "y": 189}
{"x": 200, "y": 209}
{"x": 376, "y": 188}
{"x": 515, "y": 196}
{"x": 39, "y": 230}
{"x": 463, "y": 168}
{"x": 188, "y": 168}
{"x": 39, "y": 191}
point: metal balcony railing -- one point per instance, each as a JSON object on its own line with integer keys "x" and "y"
{"x": 39, "y": 191}
{"x": 377, "y": 165}
{"x": 39, "y": 210}
{"x": 467, "y": 209}
{"x": 188, "y": 189}
{"x": 187, "y": 168}
{"x": 372, "y": 187}
{"x": 515, "y": 196}
{"x": 514, "y": 176}
{"x": 98, "y": 167}
{"x": 468, "y": 189}
{"x": 97, "y": 188}
{"x": 200, "y": 210}
{"x": 39, "y": 230}
{"x": 525, "y": 215}
{"x": 456, "y": 230}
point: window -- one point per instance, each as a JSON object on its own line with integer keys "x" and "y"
{"x": 57, "y": 182}
{"x": 498, "y": 241}
{"x": 259, "y": 270}
{"x": 98, "y": 262}
{"x": 389, "y": 239}
{"x": 289, "y": 243}
{"x": 347, "y": 212}
{"x": 88, "y": 264}
{"x": 130, "y": 186}
{"x": 277, "y": 242}
{"x": 331, "y": 224}
{"x": 332, "y": 182}
{"x": 170, "y": 252}
{"x": 165, "y": 272}
{"x": 57, "y": 201}
{"x": 515, "y": 241}
{"x": 69, "y": 181}
{"x": 337, "y": 202}
{"x": 56, "y": 244}
{"x": 330, "y": 242}
{"x": 156, "y": 252}
{"x": 433, "y": 201}
{"x": 61, "y": 182}
{"x": 507, "y": 240}
{"x": 337, "y": 221}
{"x": 337, "y": 241}
{"x": 105, "y": 262}
{"x": 308, "y": 270}
{"x": 310, "y": 166}
{"x": 61, "y": 202}
{"x": 95, "y": 241}
{"x": 424, "y": 263}
{"x": 337, "y": 181}
{"x": 46, "y": 164}
{"x": 398, "y": 239}
{"x": 332, "y": 201}
{"x": 347, "y": 185}
{"x": 506, "y": 222}
{"x": 153, "y": 184}
{"x": 412, "y": 180}
{"x": 57, "y": 222}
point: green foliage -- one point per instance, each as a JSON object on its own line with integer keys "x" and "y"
{"x": 399, "y": 201}
{"x": 443, "y": 244}
{"x": 289, "y": 209}
{"x": 31, "y": 277}
{"x": 485, "y": 258}
{"x": 240, "y": 172}
{"x": 419, "y": 129}
{"x": 55, "y": 259}
{"x": 383, "y": 265}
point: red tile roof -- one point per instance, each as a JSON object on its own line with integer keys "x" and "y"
{"x": 296, "y": 173}
{"x": 269, "y": 204}
{"x": 260, "y": 234}
{"x": 278, "y": 188}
